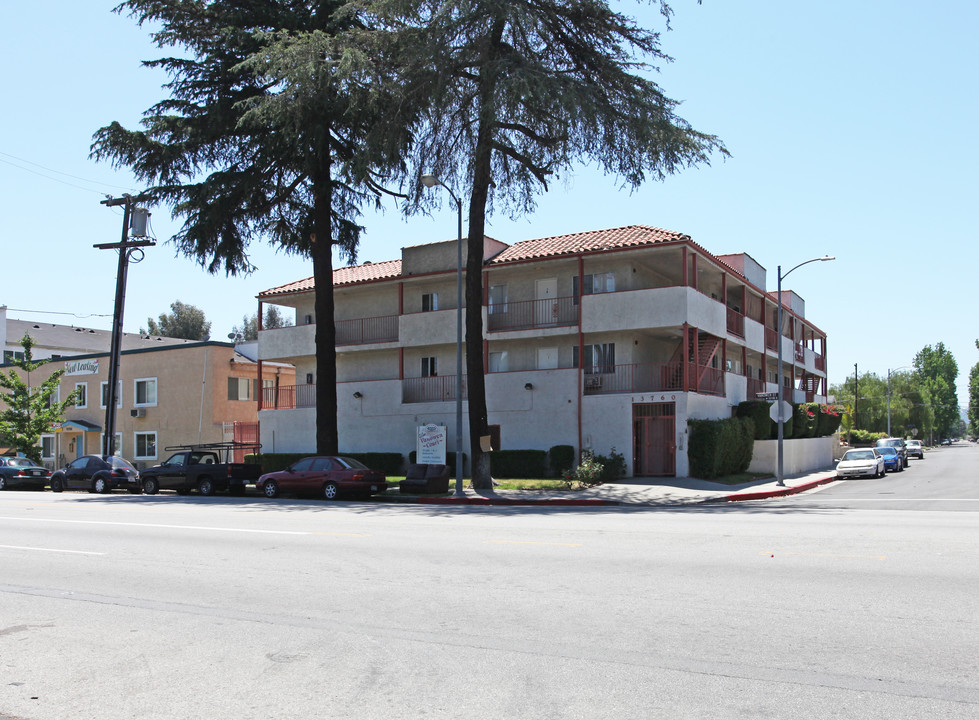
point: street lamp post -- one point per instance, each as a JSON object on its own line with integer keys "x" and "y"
{"x": 431, "y": 181}
{"x": 780, "y": 474}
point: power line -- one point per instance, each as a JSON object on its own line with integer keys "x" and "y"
{"x": 58, "y": 172}
{"x": 54, "y": 312}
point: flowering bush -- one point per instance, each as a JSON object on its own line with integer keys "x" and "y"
{"x": 588, "y": 473}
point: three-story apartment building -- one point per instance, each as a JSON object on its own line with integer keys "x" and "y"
{"x": 599, "y": 340}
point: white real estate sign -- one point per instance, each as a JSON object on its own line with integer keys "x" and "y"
{"x": 431, "y": 444}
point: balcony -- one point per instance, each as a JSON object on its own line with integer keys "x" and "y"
{"x": 771, "y": 339}
{"x": 800, "y": 353}
{"x": 654, "y": 377}
{"x": 361, "y": 331}
{"x": 288, "y": 397}
{"x": 755, "y": 387}
{"x": 551, "y": 312}
{"x": 735, "y": 322}
{"x": 431, "y": 389}
{"x": 820, "y": 363}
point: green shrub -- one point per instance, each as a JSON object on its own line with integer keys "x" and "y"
{"x": 559, "y": 459}
{"x": 760, "y": 413}
{"x": 613, "y": 466}
{"x": 830, "y": 417}
{"x": 788, "y": 427}
{"x": 588, "y": 472}
{"x": 720, "y": 447}
{"x": 865, "y": 437}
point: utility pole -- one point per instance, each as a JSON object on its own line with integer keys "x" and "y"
{"x": 126, "y": 247}
{"x": 856, "y": 395}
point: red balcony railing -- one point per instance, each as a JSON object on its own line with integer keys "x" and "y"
{"x": 755, "y": 386}
{"x": 735, "y": 322}
{"x": 533, "y": 314}
{"x": 654, "y": 377}
{"x": 288, "y": 397}
{"x": 367, "y": 330}
{"x": 800, "y": 352}
{"x": 431, "y": 389}
{"x": 821, "y": 363}
{"x": 771, "y": 341}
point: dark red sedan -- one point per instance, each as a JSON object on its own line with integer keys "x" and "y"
{"x": 323, "y": 476}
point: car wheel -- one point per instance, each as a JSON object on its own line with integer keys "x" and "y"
{"x": 3, "y": 483}
{"x": 151, "y": 486}
{"x": 205, "y": 486}
{"x": 270, "y": 489}
{"x": 57, "y": 485}
{"x": 330, "y": 491}
{"x": 99, "y": 485}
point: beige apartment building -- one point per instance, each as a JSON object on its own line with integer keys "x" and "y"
{"x": 177, "y": 393}
{"x": 600, "y": 340}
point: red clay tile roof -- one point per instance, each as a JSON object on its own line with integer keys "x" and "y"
{"x": 341, "y": 276}
{"x": 595, "y": 240}
{"x": 630, "y": 236}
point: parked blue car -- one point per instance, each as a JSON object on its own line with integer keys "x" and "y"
{"x": 892, "y": 459}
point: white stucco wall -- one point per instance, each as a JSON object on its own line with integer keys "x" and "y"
{"x": 798, "y": 456}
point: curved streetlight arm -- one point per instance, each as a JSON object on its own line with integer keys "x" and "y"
{"x": 824, "y": 258}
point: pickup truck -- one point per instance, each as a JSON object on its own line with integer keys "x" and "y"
{"x": 200, "y": 468}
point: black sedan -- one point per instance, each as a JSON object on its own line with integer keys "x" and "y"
{"x": 21, "y": 472}
{"x": 97, "y": 474}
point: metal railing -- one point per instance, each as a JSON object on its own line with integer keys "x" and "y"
{"x": 431, "y": 389}
{"x": 654, "y": 377}
{"x": 288, "y": 397}
{"x": 532, "y": 314}
{"x": 735, "y": 322}
{"x": 367, "y": 330}
{"x": 771, "y": 339}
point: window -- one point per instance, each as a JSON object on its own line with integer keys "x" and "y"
{"x": 594, "y": 284}
{"x": 11, "y": 355}
{"x": 145, "y": 445}
{"x": 498, "y": 361}
{"x": 53, "y": 398}
{"x": 241, "y": 388}
{"x": 145, "y": 391}
{"x": 429, "y": 367}
{"x": 47, "y": 447}
{"x": 118, "y": 444}
{"x": 430, "y": 301}
{"x": 497, "y": 299}
{"x": 81, "y": 395}
{"x": 105, "y": 395}
{"x": 599, "y": 359}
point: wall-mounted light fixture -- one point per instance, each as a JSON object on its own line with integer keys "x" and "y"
{"x": 358, "y": 395}
{"x": 528, "y": 386}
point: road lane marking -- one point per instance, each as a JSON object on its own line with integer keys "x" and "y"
{"x": 529, "y": 542}
{"x": 40, "y": 549}
{"x": 163, "y": 527}
{"x": 340, "y": 534}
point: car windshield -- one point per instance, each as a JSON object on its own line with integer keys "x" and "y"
{"x": 887, "y": 450}
{"x": 914, "y": 443}
{"x": 119, "y": 464}
{"x": 859, "y": 455}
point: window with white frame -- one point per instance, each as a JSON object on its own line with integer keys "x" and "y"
{"x": 104, "y": 402}
{"x": 144, "y": 392}
{"x": 81, "y": 395}
{"x": 118, "y": 443}
{"x": 241, "y": 388}
{"x": 599, "y": 359}
{"x": 429, "y": 367}
{"x": 47, "y": 447}
{"x": 430, "y": 302}
{"x": 145, "y": 445}
{"x": 54, "y": 398}
{"x": 498, "y": 361}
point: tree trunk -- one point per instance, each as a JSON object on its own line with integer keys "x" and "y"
{"x": 327, "y": 435}
{"x": 482, "y": 176}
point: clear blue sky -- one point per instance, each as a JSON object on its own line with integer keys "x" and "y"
{"x": 852, "y": 127}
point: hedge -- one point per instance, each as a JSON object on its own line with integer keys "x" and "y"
{"x": 530, "y": 464}
{"x": 560, "y": 459}
{"x": 760, "y": 412}
{"x": 720, "y": 447}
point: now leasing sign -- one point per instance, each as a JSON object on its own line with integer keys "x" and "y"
{"x": 82, "y": 367}
{"x": 430, "y": 447}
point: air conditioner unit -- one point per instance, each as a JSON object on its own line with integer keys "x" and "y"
{"x": 138, "y": 412}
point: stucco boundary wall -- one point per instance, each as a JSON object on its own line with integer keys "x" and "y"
{"x": 798, "y": 456}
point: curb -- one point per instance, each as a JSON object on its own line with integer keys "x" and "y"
{"x": 580, "y": 502}
{"x": 782, "y": 492}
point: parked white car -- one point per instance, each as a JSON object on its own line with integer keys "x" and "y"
{"x": 860, "y": 462}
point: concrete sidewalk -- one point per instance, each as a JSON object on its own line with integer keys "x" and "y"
{"x": 644, "y": 491}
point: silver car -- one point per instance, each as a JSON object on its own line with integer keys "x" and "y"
{"x": 859, "y": 462}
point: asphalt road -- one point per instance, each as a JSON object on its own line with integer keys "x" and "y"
{"x": 824, "y": 605}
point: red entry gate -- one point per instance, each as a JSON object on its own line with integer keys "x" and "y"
{"x": 654, "y": 439}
